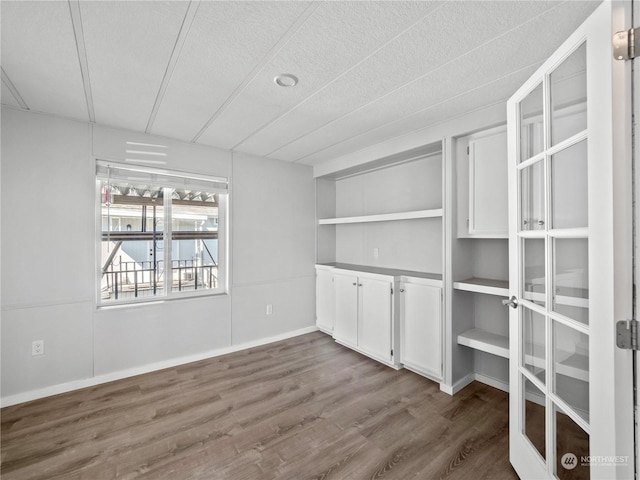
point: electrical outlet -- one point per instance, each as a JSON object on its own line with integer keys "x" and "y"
{"x": 269, "y": 309}
{"x": 37, "y": 347}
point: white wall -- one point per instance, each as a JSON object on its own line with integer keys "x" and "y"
{"x": 48, "y": 268}
{"x": 273, "y": 239}
{"x": 47, "y": 251}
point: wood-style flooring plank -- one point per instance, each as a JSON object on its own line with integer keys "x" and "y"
{"x": 302, "y": 408}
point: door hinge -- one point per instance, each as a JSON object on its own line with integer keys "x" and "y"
{"x": 392, "y": 352}
{"x": 627, "y": 334}
{"x": 391, "y": 290}
{"x": 626, "y": 44}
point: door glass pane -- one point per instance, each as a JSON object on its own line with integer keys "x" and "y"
{"x": 571, "y": 278}
{"x": 568, "y": 87}
{"x": 534, "y": 417}
{"x": 572, "y": 448}
{"x": 571, "y": 367}
{"x": 534, "y": 277}
{"x": 569, "y": 187}
{"x": 534, "y": 339}
{"x": 531, "y": 124}
{"x": 532, "y": 197}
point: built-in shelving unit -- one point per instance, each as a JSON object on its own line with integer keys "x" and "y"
{"x": 480, "y": 259}
{"x": 381, "y": 229}
{"x": 387, "y": 213}
{"x": 383, "y": 217}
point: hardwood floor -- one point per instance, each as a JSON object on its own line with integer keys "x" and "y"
{"x": 303, "y": 408}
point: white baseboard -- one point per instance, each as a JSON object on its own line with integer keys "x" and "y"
{"x": 492, "y": 382}
{"x": 459, "y": 385}
{"x": 467, "y": 379}
{"x": 151, "y": 367}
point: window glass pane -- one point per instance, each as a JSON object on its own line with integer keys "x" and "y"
{"x": 572, "y": 448}
{"x": 534, "y": 339}
{"x": 568, "y": 86}
{"x": 532, "y": 214}
{"x": 571, "y": 367}
{"x": 131, "y": 241}
{"x": 569, "y": 187}
{"x": 535, "y": 418}
{"x": 571, "y": 278}
{"x": 194, "y": 249}
{"x": 533, "y": 275}
{"x": 531, "y": 124}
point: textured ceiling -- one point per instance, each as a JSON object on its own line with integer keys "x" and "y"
{"x": 203, "y": 71}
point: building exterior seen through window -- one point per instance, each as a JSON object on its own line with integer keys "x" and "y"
{"x": 158, "y": 240}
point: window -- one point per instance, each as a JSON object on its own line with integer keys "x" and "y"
{"x": 161, "y": 234}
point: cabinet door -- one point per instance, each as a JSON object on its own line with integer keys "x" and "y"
{"x": 488, "y": 185}
{"x": 421, "y": 328}
{"x": 345, "y": 328}
{"x": 325, "y": 303}
{"x": 374, "y": 329}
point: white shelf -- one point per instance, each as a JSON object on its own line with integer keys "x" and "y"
{"x": 383, "y": 217}
{"x": 484, "y": 341}
{"x": 574, "y": 365}
{"x": 483, "y": 285}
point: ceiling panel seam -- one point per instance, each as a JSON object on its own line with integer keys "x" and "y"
{"x": 448, "y": 99}
{"x": 14, "y": 91}
{"x": 345, "y": 72}
{"x": 306, "y": 14}
{"x": 189, "y": 16}
{"x": 406, "y": 84}
{"x": 78, "y": 32}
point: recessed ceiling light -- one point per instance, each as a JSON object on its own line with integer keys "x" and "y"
{"x": 285, "y": 80}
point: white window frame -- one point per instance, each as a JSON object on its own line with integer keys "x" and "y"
{"x": 223, "y": 235}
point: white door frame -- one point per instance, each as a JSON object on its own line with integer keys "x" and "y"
{"x": 610, "y": 250}
{"x": 635, "y": 64}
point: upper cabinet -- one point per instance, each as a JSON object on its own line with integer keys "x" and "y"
{"x": 482, "y": 179}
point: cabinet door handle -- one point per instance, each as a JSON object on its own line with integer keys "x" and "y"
{"x": 402, "y": 290}
{"x": 354, "y": 284}
{"x": 359, "y": 284}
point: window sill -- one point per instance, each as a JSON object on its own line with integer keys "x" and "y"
{"x": 159, "y": 300}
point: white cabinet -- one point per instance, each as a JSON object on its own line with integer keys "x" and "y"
{"x": 345, "y": 329}
{"x": 488, "y": 215}
{"x": 368, "y": 310}
{"x": 421, "y": 328}
{"x": 364, "y": 314}
{"x": 325, "y": 300}
{"x": 375, "y": 319}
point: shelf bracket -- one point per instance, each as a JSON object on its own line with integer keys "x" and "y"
{"x": 627, "y": 334}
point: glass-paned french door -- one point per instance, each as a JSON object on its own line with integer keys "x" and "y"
{"x": 553, "y": 245}
{"x": 563, "y": 356}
